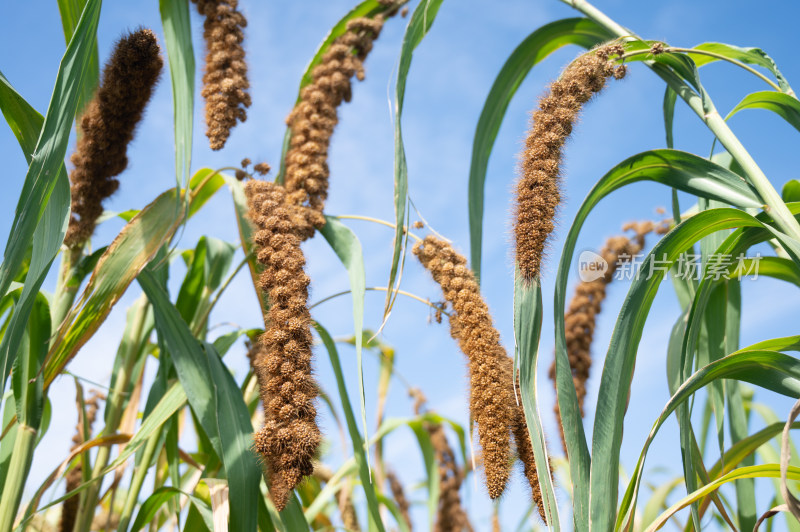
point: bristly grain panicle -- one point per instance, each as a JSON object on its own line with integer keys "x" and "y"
{"x": 225, "y": 84}
{"x": 491, "y": 395}
{"x": 290, "y": 437}
{"x": 285, "y": 216}
{"x": 107, "y": 127}
{"x": 315, "y": 116}
{"x": 399, "y": 495}
{"x": 451, "y": 516}
{"x": 538, "y": 193}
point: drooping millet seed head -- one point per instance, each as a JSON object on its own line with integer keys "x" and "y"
{"x": 315, "y": 116}
{"x": 107, "y": 127}
{"x": 348, "y": 512}
{"x": 451, "y": 515}
{"x": 471, "y": 325}
{"x": 225, "y": 84}
{"x": 290, "y": 437}
{"x": 399, "y": 496}
{"x": 538, "y": 190}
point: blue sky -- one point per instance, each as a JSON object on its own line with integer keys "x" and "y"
{"x": 451, "y": 74}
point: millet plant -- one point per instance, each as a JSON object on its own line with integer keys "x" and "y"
{"x": 177, "y": 439}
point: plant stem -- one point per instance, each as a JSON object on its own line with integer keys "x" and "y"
{"x": 704, "y": 108}
{"x": 139, "y": 473}
{"x": 65, "y": 293}
{"x": 114, "y": 411}
{"x": 21, "y": 459}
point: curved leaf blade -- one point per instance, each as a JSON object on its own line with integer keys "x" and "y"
{"x": 123, "y": 260}
{"x": 159, "y": 498}
{"x": 759, "y": 471}
{"x": 673, "y": 168}
{"x": 215, "y": 399}
{"x": 754, "y": 56}
{"x": 48, "y": 156}
{"x": 621, "y": 357}
{"x": 785, "y": 106}
{"x": 618, "y": 368}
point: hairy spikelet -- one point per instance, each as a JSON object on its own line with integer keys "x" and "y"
{"x": 586, "y": 304}
{"x": 74, "y": 478}
{"x": 290, "y": 436}
{"x": 313, "y": 119}
{"x": 538, "y": 190}
{"x": 225, "y": 82}
{"x": 451, "y": 516}
{"x": 107, "y": 127}
{"x": 471, "y": 325}
{"x": 399, "y": 496}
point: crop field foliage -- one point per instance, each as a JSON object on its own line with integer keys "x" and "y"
{"x": 308, "y": 416}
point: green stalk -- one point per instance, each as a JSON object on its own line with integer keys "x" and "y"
{"x": 139, "y": 473}
{"x": 22, "y": 457}
{"x": 774, "y": 205}
{"x": 65, "y": 293}
{"x": 115, "y": 410}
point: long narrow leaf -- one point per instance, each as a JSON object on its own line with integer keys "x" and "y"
{"x": 677, "y": 169}
{"x": 124, "y": 259}
{"x": 52, "y": 144}
{"x": 70, "y": 11}
{"x": 527, "y": 330}
{"x": 352, "y": 427}
{"x": 783, "y": 105}
{"x": 214, "y": 398}
{"x": 618, "y": 368}
{"x": 26, "y": 123}
{"x": 419, "y": 25}
{"x": 178, "y": 36}
{"x": 759, "y": 471}
{"x": 348, "y": 248}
